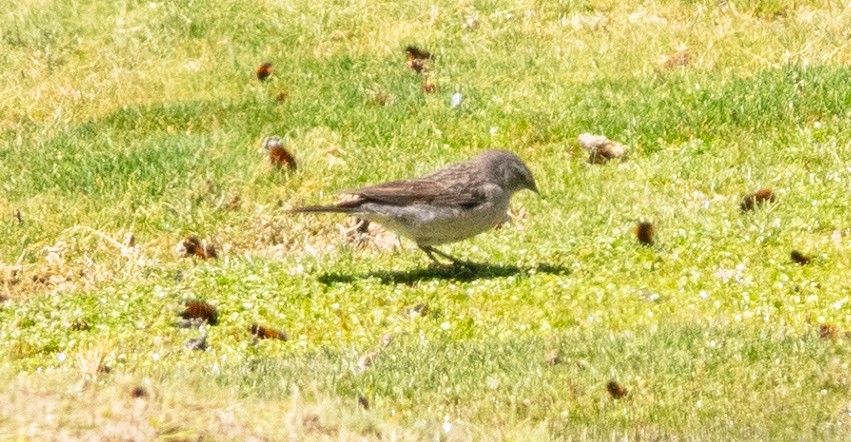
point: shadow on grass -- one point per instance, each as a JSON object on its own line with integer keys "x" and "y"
{"x": 451, "y": 273}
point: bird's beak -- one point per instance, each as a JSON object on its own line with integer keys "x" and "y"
{"x": 534, "y": 188}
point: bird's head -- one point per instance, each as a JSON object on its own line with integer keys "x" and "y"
{"x": 509, "y": 171}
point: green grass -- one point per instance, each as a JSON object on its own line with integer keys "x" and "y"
{"x": 146, "y": 118}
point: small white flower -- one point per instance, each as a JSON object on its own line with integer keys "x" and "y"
{"x": 192, "y": 66}
{"x": 447, "y": 427}
{"x": 493, "y": 131}
{"x": 456, "y": 100}
{"x": 703, "y": 294}
{"x": 445, "y": 325}
{"x": 61, "y": 357}
{"x": 493, "y": 383}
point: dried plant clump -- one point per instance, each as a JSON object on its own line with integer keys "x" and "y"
{"x": 600, "y": 148}
{"x": 616, "y": 390}
{"x": 418, "y": 60}
{"x": 680, "y": 58}
{"x": 194, "y": 247}
{"x": 828, "y": 332}
{"x": 417, "y": 53}
{"x": 366, "y": 360}
{"x": 553, "y": 357}
{"x": 201, "y": 311}
{"x": 645, "y": 233}
{"x": 279, "y": 156}
{"x": 261, "y": 332}
{"x": 418, "y": 310}
{"x": 758, "y": 198}
{"x": 379, "y": 98}
{"x": 799, "y": 258}
{"x": 264, "y": 71}
{"x": 80, "y": 325}
{"x": 234, "y": 202}
{"x": 137, "y": 392}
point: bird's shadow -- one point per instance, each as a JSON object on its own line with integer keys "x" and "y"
{"x": 460, "y": 273}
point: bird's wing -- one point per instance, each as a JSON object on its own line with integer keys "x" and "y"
{"x": 420, "y": 191}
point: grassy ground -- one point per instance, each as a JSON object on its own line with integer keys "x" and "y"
{"x": 145, "y": 119}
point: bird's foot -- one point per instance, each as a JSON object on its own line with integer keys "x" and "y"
{"x": 453, "y": 261}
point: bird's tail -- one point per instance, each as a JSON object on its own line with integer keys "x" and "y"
{"x": 322, "y": 209}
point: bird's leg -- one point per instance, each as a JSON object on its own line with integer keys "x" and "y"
{"x": 431, "y": 251}
{"x": 447, "y": 256}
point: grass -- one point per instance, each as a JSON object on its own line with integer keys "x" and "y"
{"x": 146, "y": 119}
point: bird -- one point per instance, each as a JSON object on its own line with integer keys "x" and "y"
{"x": 452, "y": 204}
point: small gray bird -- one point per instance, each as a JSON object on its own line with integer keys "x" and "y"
{"x": 452, "y": 204}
